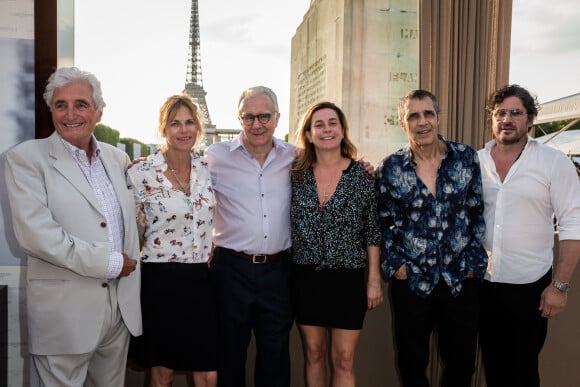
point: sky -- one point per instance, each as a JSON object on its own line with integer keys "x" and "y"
{"x": 138, "y": 49}
{"x": 545, "y": 47}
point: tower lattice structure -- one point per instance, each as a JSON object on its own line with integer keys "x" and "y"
{"x": 193, "y": 80}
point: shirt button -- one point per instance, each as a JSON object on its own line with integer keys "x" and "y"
{"x": 104, "y": 285}
{"x": 103, "y": 224}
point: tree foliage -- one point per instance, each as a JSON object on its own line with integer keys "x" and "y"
{"x": 129, "y": 142}
{"x": 107, "y": 134}
{"x": 111, "y": 136}
{"x": 550, "y": 127}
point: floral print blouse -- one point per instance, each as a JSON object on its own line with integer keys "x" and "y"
{"x": 176, "y": 227}
{"x": 335, "y": 236}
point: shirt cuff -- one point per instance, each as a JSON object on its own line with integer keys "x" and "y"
{"x": 115, "y": 265}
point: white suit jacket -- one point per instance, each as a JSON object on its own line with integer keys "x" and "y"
{"x": 59, "y": 225}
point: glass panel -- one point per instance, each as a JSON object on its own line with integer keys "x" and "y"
{"x": 65, "y": 33}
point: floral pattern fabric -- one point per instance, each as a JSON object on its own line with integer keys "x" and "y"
{"x": 436, "y": 236}
{"x": 336, "y": 235}
{"x": 177, "y": 227}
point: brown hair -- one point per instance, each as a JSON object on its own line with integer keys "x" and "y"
{"x": 306, "y": 155}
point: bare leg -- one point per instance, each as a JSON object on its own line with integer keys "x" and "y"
{"x": 205, "y": 378}
{"x": 314, "y": 343}
{"x": 343, "y": 346}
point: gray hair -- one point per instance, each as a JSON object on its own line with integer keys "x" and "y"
{"x": 416, "y": 94}
{"x": 66, "y": 75}
{"x": 254, "y": 91}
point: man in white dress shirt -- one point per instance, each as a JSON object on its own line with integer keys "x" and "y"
{"x": 525, "y": 184}
{"x": 252, "y": 261}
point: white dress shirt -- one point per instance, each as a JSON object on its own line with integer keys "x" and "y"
{"x": 97, "y": 178}
{"x": 253, "y": 201}
{"x": 519, "y": 211}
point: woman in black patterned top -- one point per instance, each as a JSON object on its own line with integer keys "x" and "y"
{"x": 335, "y": 239}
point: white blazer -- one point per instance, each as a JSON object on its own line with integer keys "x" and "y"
{"x": 59, "y": 225}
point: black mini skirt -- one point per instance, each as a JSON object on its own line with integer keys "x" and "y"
{"x": 332, "y": 298}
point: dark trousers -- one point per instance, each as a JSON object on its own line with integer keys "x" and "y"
{"x": 253, "y": 297}
{"x": 455, "y": 321}
{"x": 512, "y": 332}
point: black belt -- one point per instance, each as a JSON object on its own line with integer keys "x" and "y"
{"x": 258, "y": 258}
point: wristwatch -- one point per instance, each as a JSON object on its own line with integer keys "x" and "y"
{"x": 561, "y": 286}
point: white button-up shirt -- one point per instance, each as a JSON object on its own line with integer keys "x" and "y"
{"x": 97, "y": 178}
{"x": 253, "y": 201}
{"x": 519, "y": 211}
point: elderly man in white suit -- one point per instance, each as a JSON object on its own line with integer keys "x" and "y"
{"x": 75, "y": 219}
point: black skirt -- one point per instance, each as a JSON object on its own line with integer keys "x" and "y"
{"x": 332, "y": 298}
{"x": 179, "y": 318}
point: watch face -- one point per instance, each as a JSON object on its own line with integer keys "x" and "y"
{"x": 562, "y": 286}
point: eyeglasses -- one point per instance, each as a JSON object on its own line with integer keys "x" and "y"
{"x": 502, "y": 113}
{"x": 263, "y": 118}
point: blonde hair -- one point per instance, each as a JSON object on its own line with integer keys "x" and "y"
{"x": 168, "y": 111}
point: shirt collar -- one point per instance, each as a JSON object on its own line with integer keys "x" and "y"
{"x": 491, "y": 143}
{"x": 408, "y": 153}
{"x": 157, "y": 159}
{"x": 237, "y": 143}
{"x": 74, "y": 150}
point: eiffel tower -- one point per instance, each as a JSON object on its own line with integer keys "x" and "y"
{"x": 193, "y": 81}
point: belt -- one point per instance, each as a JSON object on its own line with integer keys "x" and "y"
{"x": 258, "y": 258}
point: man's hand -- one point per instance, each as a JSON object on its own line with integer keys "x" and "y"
{"x": 137, "y": 160}
{"x": 552, "y": 302}
{"x": 129, "y": 266}
{"x": 368, "y": 167}
{"x": 401, "y": 274}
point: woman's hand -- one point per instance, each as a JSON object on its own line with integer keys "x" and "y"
{"x": 374, "y": 293}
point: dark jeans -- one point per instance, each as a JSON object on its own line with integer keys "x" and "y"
{"x": 455, "y": 321}
{"x": 512, "y": 332}
{"x": 253, "y": 297}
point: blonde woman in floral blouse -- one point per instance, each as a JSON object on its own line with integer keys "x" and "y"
{"x": 175, "y": 203}
{"x": 335, "y": 239}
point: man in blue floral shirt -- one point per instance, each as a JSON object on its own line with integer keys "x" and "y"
{"x": 431, "y": 212}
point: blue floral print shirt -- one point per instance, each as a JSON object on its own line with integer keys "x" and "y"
{"x": 176, "y": 227}
{"x": 335, "y": 236}
{"x": 436, "y": 236}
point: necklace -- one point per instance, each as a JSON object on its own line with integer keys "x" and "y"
{"x": 326, "y": 187}
{"x": 325, "y": 194}
{"x": 187, "y": 192}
